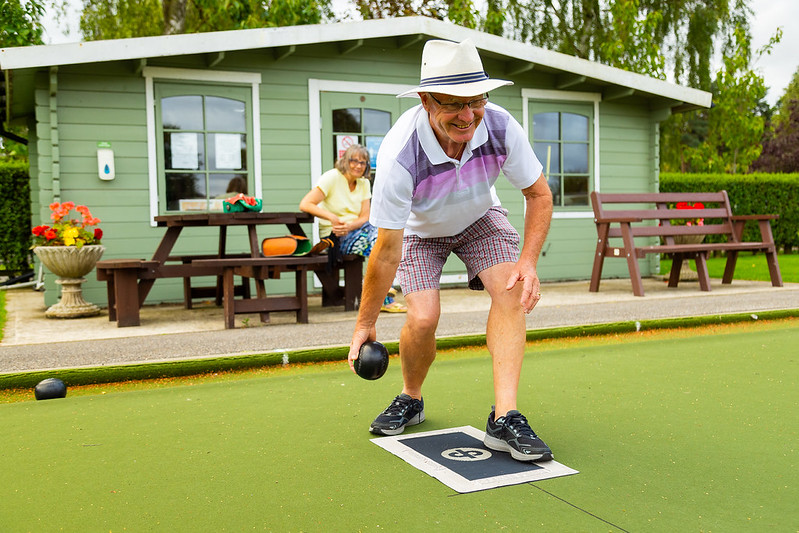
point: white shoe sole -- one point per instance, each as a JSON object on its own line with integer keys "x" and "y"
{"x": 499, "y": 445}
{"x": 418, "y": 419}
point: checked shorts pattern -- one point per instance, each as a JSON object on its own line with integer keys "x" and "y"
{"x": 489, "y": 241}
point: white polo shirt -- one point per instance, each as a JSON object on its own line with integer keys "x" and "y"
{"x": 421, "y": 189}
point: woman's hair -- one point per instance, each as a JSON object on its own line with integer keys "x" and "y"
{"x": 355, "y": 150}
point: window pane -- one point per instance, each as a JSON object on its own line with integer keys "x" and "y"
{"x": 182, "y": 112}
{"x": 376, "y": 122}
{"x": 554, "y": 186}
{"x": 226, "y": 185}
{"x": 545, "y": 126}
{"x": 575, "y": 158}
{"x": 227, "y": 151}
{"x": 575, "y": 190}
{"x": 184, "y": 190}
{"x": 224, "y": 114}
{"x": 373, "y": 145}
{"x": 575, "y": 127}
{"x": 548, "y": 153}
{"x": 347, "y": 120}
{"x": 184, "y": 151}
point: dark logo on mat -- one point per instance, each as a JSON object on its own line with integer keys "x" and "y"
{"x": 466, "y": 454}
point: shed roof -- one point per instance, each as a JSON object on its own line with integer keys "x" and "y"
{"x": 572, "y": 71}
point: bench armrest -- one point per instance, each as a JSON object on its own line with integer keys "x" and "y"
{"x": 754, "y": 217}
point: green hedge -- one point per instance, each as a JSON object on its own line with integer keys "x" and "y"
{"x": 750, "y": 194}
{"x": 15, "y": 217}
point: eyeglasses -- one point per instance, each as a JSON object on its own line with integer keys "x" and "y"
{"x": 457, "y": 107}
{"x": 357, "y": 163}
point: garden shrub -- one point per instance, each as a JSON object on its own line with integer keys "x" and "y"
{"x": 15, "y": 217}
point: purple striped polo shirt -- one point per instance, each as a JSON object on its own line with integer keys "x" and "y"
{"x": 419, "y": 188}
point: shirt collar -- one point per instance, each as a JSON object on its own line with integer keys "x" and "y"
{"x": 431, "y": 147}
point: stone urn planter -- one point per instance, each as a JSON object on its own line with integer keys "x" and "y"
{"x": 70, "y": 264}
{"x": 686, "y": 274}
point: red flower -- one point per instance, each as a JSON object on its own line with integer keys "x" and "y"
{"x": 98, "y": 234}
{"x": 50, "y": 234}
{"x": 39, "y": 230}
{"x": 686, "y": 205}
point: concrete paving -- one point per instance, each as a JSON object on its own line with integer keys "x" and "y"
{"x": 169, "y": 332}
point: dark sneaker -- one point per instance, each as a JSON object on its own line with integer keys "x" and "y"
{"x": 511, "y": 433}
{"x": 403, "y": 411}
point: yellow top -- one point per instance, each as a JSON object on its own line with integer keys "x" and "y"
{"x": 339, "y": 200}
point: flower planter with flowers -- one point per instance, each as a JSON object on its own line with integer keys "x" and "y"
{"x": 69, "y": 248}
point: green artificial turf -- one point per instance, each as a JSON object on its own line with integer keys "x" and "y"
{"x": 671, "y": 431}
{"x": 752, "y": 267}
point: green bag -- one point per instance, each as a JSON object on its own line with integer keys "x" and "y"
{"x": 241, "y": 203}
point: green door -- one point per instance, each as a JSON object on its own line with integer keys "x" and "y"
{"x": 357, "y": 118}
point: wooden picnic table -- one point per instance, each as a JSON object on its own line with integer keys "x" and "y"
{"x": 130, "y": 280}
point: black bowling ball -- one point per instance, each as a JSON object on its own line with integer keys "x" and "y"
{"x": 372, "y": 360}
{"x": 50, "y": 388}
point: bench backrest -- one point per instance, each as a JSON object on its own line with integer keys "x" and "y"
{"x": 652, "y": 214}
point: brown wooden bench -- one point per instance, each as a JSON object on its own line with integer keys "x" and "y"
{"x": 631, "y": 216}
{"x": 263, "y": 268}
{"x": 122, "y": 285}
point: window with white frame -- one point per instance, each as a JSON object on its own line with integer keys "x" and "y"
{"x": 203, "y": 139}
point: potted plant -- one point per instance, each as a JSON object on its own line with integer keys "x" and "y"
{"x": 69, "y": 248}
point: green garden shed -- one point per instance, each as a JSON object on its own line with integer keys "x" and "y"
{"x": 185, "y": 115}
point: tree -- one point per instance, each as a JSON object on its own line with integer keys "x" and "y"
{"x": 735, "y": 129}
{"x": 20, "y": 22}
{"x": 458, "y": 11}
{"x": 632, "y": 34}
{"x": 112, "y": 19}
{"x": 120, "y": 19}
{"x": 783, "y": 107}
{"x": 781, "y": 148}
{"x": 781, "y": 144}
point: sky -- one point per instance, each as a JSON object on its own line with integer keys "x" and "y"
{"x": 777, "y": 68}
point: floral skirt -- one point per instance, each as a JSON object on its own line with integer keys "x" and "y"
{"x": 359, "y": 241}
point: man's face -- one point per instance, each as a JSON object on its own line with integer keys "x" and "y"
{"x": 453, "y": 128}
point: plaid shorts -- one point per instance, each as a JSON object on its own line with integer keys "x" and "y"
{"x": 489, "y": 241}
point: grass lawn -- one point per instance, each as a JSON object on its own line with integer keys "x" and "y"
{"x": 664, "y": 440}
{"x": 750, "y": 267}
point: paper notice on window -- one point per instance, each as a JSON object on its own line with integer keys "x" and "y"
{"x": 184, "y": 150}
{"x": 227, "y": 147}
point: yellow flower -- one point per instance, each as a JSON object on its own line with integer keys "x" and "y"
{"x": 70, "y": 234}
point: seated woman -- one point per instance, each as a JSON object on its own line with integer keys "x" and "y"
{"x": 341, "y": 201}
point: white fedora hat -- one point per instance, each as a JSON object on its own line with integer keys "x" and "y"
{"x": 454, "y": 69}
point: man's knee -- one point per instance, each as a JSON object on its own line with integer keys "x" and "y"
{"x": 422, "y": 316}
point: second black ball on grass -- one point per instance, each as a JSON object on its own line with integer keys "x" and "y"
{"x": 50, "y": 388}
{"x": 372, "y": 360}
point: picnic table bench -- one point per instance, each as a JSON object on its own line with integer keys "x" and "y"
{"x": 262, "y": 268}
{"x": 631, "y": 216}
